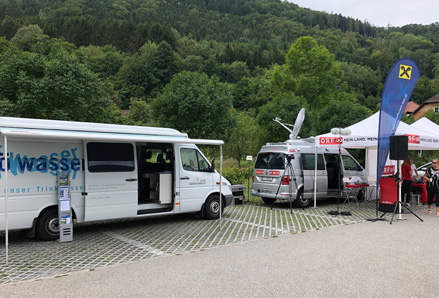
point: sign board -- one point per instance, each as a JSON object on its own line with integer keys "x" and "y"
{"x": 64, "y": 208}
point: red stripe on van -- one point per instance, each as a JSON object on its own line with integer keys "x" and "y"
{"x": 259, "y": 172}
{"x": 274, "y": 173}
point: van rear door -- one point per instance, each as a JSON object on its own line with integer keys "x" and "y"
{"x": 269, "y": 169}
{"x": 110, "y": 180}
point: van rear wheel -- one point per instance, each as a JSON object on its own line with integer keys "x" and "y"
{"x": 212, "y": 207}
{"x": 48, "y": 225}
{"x": 301, "y": 201}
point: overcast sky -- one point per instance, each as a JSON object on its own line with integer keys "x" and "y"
{"x": 380, "y": 12}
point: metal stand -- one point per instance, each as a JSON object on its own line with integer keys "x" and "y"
{"x": 289, "y": 172}
{"x": 401, "y": 205}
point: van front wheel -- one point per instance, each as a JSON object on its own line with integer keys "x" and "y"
{"x": 212, "y": 207}
{"x": 48, "y": 225}
{"x": 301, "y": 201}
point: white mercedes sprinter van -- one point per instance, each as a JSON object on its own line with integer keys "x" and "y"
{"x": 116, "y": 171}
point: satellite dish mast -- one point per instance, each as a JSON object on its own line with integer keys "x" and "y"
{"x": 297, "y": 125}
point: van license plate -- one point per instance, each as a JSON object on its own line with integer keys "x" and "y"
{"x": 267, "y": 179}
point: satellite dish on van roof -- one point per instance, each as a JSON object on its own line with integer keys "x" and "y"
{"x": 297, "y": 125}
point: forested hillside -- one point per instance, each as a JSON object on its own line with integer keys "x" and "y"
{"x": 212, "y": 68}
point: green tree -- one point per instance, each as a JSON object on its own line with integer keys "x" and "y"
{"x": 245, "y": 138}
{"x": 143, "y": 75}
{"x": 4, "y": 44}
{"x": 423, "y": 90}
{"x": 28, "y": 35}
{"x": 250, "y": 93}
{"x": 196, "y": 104}
{"x": 310, "y": 71}
{"x": 58, "y": 87}
{"x": 140, "y": 113}
{"x": 430, "y": 115}
{"x": 340, "y": 113}
{"x": 104, "y": 61}
{"x": 285, "y": 106}
{"x": 232, "y": 73}
{"x": 361, "y": 79}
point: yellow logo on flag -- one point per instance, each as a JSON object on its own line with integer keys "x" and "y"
{"x": 405, "y": 72}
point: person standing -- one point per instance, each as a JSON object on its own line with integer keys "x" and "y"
{"x": 432, "y": 178}
{"x": 415, "y": 174}
{"x": 406, "y": 188}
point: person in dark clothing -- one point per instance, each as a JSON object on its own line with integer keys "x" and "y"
{"x": 406, "y": 188}
{"x": 432, "y": 178}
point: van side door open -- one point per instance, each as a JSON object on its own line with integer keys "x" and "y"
{"x": 110, "y": 180}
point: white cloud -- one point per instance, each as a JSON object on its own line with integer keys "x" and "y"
{"x": 380, "y": 12}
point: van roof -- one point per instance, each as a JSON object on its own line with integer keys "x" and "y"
{"x": 84, "y": 126}
{"x": 57, "y": 129}
{"x": 299, "y": 146}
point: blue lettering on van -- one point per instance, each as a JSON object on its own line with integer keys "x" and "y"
{"x": 66, "y": 162}
{"x": 40, "y": 189}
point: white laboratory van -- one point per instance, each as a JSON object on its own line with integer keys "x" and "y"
{"x": 116, "y": 171}
{"x": 287, "y": 170}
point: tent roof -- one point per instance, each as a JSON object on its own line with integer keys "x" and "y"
{"x": 365, "y": 134}
{"x": 427, "y": 125}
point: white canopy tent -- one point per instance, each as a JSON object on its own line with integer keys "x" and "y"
{"x": 427, "y": 125}
{"x": 364, "y": 135}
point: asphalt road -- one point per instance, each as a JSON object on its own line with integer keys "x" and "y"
{"x": 370, "y": 259}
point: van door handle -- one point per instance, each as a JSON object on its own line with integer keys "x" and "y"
{"x": 185, "y": 178}
{"x": 131, "y": 179}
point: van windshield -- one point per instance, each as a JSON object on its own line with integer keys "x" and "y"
{"x": 270, "y": 160}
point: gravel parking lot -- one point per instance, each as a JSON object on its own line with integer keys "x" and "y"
{"x": 116, "y": 242}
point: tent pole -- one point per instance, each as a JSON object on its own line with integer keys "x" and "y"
{"x": 315, "y": 177}
{"x": 220, "y": 182}
{"x": 366, "y": 161}
{"x": 6, "y": 202}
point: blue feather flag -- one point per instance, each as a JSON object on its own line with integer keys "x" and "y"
{"x": 399, "y": 85}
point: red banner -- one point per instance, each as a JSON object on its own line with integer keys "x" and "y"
{"x": 388, "y": 170}
{"x": 414, "y": 139}
{"x": 331, "y": 140}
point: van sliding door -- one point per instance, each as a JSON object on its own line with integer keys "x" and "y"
{"x": 308, "y": 164}
{"x": 110, "y": 180}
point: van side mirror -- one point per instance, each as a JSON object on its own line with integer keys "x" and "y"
{"x": 212, "y": 166}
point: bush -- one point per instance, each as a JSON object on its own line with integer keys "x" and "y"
{"x": 236, "y": 175}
